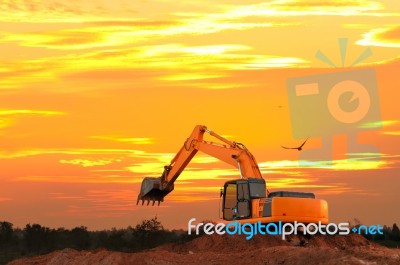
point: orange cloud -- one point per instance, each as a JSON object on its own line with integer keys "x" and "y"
{"x": 97, "y": 203}
{"x": 4, "y": 199}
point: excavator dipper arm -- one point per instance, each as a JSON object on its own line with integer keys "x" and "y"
{"x": 235, "y": 154}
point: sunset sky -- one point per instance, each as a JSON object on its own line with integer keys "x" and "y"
{"x": 95, "y": 95}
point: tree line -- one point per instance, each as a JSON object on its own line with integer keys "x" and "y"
{"x": 35, "y": 239}
{"x": 389, "y": 238}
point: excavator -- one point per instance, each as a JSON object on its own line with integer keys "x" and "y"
{"x": 245, "y": 199}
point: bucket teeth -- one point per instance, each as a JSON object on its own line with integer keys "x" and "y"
{"x": 148, "y": 202}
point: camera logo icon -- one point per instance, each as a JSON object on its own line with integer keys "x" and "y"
{"x": 330, "y": 104}
{"x": 358, "y": 91}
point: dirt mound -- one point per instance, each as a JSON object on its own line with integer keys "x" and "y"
{"x": 337, "y": 241}
{"x": 226, "y": 249}
{"x": 229, "y": 243}
{"x": 225, "y": 243}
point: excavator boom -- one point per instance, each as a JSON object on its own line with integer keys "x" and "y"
{"x": 236, "y": 154}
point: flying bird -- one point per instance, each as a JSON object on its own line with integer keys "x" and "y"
{"x": 298, "y": 148}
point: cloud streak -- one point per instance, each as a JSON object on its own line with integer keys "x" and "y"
{"x": 131, "y": 140}
{"x": 15, "y": 112}
{"x": 100, "y": 203}
{"x": 88, "y": 162}
{"x": 5, "y": 199}
{"x": 382, "y": 37}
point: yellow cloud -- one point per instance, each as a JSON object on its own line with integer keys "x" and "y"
{"x": 12, "y": 112}
{"x": 131, "y": 140}
{"x": 278, "y": 164}
{"x": 150, "y": 169}
{"x": 390, "y": 122}
{"x": 382, "y": 37}
{"x": 107, "y": 35}
{"x": 89, "y": 162}
{"x": 358, "y": 164}
{"x": 274, "y": 62}
{"x": 149, "y": 62}
{"x": 83, "y": 11}
{"x": 4, "y": 123}
{"x": 190, "y": 76}
{"x": 81, "y": 38}
{"x": 95, "y": 178}
{"x": 209, "y": 174}
{"x": 67, "y": 151}
{"x": 156, "y": 169}
{"x": 53, "y": 11}
{"x": 163, "y": 159}
{"x": 199, "y": 59}
{"x": 217, "y": 86}
{"x": 392, "y": 133}
{"x": 363, "y": 162}
{"x": 15, "y": 73}
{"x": 288, "y": 8}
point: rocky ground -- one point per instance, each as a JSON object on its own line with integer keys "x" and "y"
{"x": 226, "y": 249}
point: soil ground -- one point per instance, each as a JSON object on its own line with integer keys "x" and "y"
{"x": 227, "y": 249}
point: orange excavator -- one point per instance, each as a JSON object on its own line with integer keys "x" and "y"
{"x": 245, "y": 199}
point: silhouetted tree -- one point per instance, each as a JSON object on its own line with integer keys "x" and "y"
{"x": 149, "y": 233}
{"x": 395, "y": 233}
{"x": 80, "y": 237}
{"x": 115, "y": 240}
{"x": 150, "y": 225}
{"x": 34, "y": 237}
{"x": 6, "y": 233}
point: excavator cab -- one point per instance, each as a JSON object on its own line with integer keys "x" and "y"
{"x": 246, "y": 200}
{"x": 237, "y": 196}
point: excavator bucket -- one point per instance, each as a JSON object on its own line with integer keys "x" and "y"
{"x": 152, "y": 191}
